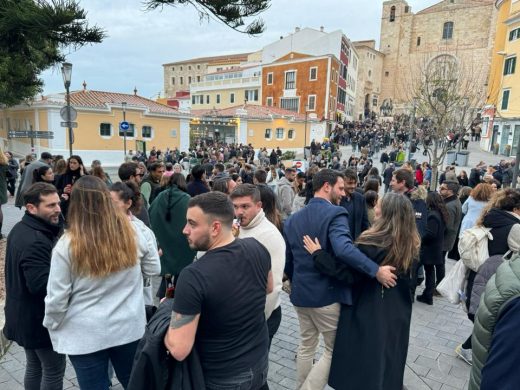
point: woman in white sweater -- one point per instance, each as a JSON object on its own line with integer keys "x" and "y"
{"x": 94, "y": 308}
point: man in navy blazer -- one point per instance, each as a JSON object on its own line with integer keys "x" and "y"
{"x": 355, "y": 205}
{"x": 317, "y": 297}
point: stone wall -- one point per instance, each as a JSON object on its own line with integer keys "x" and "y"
{"x": 412, "y": 40}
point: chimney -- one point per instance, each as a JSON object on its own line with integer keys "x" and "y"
{"x": 322, "y": 28}
{"x": 297, "y": 29}
{"x": 84, "y": 85}
{"x": 135, "y": 91}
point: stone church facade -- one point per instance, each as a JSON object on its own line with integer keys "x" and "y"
{"x": 461, "y": 29}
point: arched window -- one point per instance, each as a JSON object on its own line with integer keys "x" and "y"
{"x": 447, "y": 30}
{"x": 392, "y": 13}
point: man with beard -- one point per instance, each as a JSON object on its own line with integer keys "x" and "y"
{"x": 27, "y": 267}
{"x": 355, "y": 205}
{"x": 316, "y": 296}
{"x": 221, "y": 299}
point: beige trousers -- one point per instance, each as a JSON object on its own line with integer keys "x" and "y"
{"x": 313, "y": 322}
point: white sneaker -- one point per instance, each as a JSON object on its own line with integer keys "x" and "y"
{"x": 464, "y": 354}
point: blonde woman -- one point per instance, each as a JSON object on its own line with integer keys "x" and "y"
{"x": 94, "y": 308}
{"x": 4, "y": 165}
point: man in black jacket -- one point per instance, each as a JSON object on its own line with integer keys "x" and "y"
{"x": 27, "y": 266}
{"x": 355, "y": 205}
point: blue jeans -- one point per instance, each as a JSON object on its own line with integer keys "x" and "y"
{"x": 92, "y": 368}
{"x": 253, "y": 379}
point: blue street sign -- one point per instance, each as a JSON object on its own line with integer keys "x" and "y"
{"x": 124, "y": 126}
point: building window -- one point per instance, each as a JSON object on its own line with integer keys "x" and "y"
{"x": 290, "y": 104}
{"x": 290, "y": 79}
{"x": 270, "y": 78}
{"x": 232, "y": 98}
{"x": 146, "y": 131}
{"x": 313, "y": 74}
{"x": 251, "y": 95}
{"x": 218, "y": 98}
{"x": 392, "y": 14}
{"x": 130, "y": 133}
{"x": 198, "y": 79}
{"x": 173, "y": 68}
{"x": 406, "y": 9}
{"x": 344, "y": 72}
{"x": 342, "y": 96}
{"x": 505, "y": 99}
{"x": 514, "y": 34}
{"x": 269, "y": 101}
{"x": 447, "y": 30}
{"x": 189, "y": 79}
{"x": 181, "y": 68}
{"x": 182, "y": 80}
{"x": 290, "y": 134}
{"x": 387, "y": 74}
{"x": 198, "y": 67}
{"x": 418, "y": 41}
{"x": 207, "y": 99}
{"x": 267, "y": 134}
{"x": 311, "y": 103}
{"x": 279, "y": 133}
{"x": 189, "y": 67}
{"x": 173, "y": 80}
{"x": 509, "y": 65}
{"x": 105, "y": 130}
{"x": 197, "y": 99}
{"x": 369, "y": 73}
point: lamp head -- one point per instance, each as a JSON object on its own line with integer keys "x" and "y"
{"x": 66, "y": 72}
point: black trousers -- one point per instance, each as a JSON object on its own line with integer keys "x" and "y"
{"x": 433, "y": 274}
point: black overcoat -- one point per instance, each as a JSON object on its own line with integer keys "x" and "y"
{"x": 432, "y": 242}
{"x": 372, "y": 337}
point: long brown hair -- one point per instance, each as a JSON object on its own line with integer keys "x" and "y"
{"x": 102, "y": 239}
{"x": 395, "y": 231}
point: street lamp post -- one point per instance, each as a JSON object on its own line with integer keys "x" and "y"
{"x": 462, "y": 132}
{"x": 123, "y": 104}
{"x": 66, "y": 72}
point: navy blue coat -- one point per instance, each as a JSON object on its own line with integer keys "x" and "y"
{"x": 358, "y": 218}
{"x": 329, "y": 223}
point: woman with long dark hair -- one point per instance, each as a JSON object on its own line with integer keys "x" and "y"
{"x": 4, "y": 167}
{"x": 64, "y": 183}
{"x": 431, "y": 249}
{"x": 372, "y": 335}
{"x": 94, "y": 308}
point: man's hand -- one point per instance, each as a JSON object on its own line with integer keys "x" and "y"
{"x": 386, "y": 276}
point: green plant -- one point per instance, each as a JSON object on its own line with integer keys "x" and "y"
{"x": 288, "y": 155}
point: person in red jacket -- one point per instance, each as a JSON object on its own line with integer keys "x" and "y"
{"x": 419, "y": 177}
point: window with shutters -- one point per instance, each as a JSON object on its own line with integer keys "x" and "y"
{"x": 509, "y": 65}
{"x": 105, "y": 129}
{"x": 505, "y": 99}
{"x": 313, "y": 74}
{"x": 146, "y": 131}
{"x": 290, "y": 79}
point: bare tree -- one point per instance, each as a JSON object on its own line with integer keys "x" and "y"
{"x": 444, "y": 93}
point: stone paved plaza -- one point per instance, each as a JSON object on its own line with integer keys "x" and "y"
{"x": 435, "y": 332}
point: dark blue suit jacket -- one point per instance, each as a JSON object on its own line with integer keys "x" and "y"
{"x": 321, "y": 219}
{"x": 358, "y": 219}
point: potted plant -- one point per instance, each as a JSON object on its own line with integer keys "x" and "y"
{"x": 496, "y": 147}
{"x": 507, "y": 150}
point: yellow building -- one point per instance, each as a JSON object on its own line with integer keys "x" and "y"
{"x": 228, "y": 88}
{"x": 97, "y": 135}
{"x": 501, "y": 115}
{"x": 261, "y": 126}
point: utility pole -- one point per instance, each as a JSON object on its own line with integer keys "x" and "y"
{"x": 410, "y": 133}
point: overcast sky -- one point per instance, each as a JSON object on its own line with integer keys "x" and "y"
{"x": 140, "y": 41}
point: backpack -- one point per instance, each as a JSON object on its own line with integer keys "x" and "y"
{"x": 473, "y": 246}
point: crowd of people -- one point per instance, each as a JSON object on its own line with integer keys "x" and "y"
{"x": 228, "y": 230}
